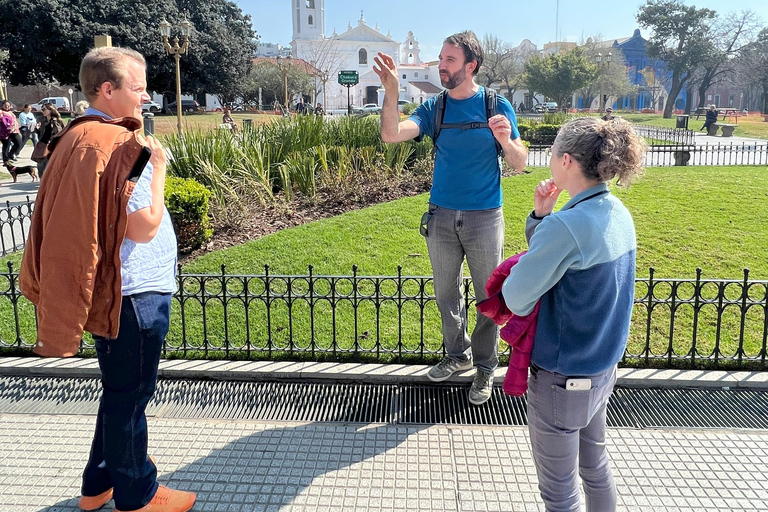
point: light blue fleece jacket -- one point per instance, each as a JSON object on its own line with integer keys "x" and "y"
{"x": 581, "y": 264}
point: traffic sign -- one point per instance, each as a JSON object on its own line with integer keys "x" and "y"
{"x": 348, "y": 77}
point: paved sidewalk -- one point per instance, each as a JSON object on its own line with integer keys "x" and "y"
{"x": 268, "y": 466}
{"x": 239, "y": 466}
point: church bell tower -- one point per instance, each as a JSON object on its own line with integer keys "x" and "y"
{"x": 308, "y": 19}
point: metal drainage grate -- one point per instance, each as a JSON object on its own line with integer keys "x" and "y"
{"x": 379, "y": 403}
{"x": 279, "y": 401}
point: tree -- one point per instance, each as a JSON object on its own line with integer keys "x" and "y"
{"x": 324, "y": 55}
{"x": 731, "y": 35}
{"x": 497, "y": 54}
{"x": 681, "y": 38}
{"x": 222, "y": 40}
{"x": 267, "y": 76}
{"x": 557, "y": 76}
{"x": 611, "y": 76}
{"x": 754, "y": 59}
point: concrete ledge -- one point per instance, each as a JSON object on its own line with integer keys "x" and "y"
{"x": 361, "y": 373}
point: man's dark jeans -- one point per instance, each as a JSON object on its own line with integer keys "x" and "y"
{"x": 128, "y": 376}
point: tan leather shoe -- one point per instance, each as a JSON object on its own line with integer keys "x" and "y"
{"x": 168, "y": 500}
{"x": 94, "y": 502}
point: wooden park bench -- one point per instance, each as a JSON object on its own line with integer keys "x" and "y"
{"x": 726, "y": 128}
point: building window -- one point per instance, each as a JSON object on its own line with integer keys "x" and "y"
{"x": 403, "y": 76}
{"x": 362, "y": 56}
{"x": 310, "y": 21}
{"x": 426, "y": 77}
{"x": 416, "y": 74}
{"x": 310, "y": 4}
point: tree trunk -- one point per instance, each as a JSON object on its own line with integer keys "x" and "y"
{"x": 689, "y": 98}
{"x": 765, "y": 98}
{"x": 704, "y": 86}
{"x": 677, "y": 86}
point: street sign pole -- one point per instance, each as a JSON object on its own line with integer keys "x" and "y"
{"x": 349, "y": 79}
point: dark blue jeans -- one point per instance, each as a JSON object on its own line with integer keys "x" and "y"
{"x": 128, "y": 376}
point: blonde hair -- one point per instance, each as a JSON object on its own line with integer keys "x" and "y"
{"x": 604, "y": 149}
{"x": 105, "y": 64}
{"x": 80, "y": 107}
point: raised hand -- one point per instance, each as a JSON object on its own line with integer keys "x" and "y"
{"x": 544, "y": 197}
{"x": 385, "y": 67}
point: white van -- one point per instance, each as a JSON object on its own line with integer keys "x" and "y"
{"x": 60, "y": 102}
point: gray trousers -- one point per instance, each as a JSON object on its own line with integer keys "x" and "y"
{"x": 567, "y": 430}
{"x": 478, "y": 235}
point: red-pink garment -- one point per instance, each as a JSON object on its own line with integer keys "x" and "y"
{"x": 518, "y": 331}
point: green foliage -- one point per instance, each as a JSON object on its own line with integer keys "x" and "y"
{"x": 295, "y": 155}
{"x": 222, "y": 40}
{"x": 557, "y": 76}
{"x": 408, "y": 108}
{"x": 681, "y": 38}
{"x": 267, "y": 76}
{"x": 187, "y": 202}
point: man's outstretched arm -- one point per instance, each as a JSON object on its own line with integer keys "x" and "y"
{"x": 392, "y": 129}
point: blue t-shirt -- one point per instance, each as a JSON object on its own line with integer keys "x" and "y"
{"x": 467, "y": 170}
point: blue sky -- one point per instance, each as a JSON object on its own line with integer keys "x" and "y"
{"x": 510, "y": 20}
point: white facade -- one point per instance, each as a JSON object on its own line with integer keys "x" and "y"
{"x": 352, "y": 50}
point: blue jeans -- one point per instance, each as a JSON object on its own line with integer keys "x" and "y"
{"x": 567, "y": 430}
{"x": 128, "y": 376}
{"x": 478, "y": 235}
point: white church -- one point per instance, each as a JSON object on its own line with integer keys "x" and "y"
{"x": 354, "y": 50}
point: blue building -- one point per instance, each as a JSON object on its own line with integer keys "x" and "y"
{"x": 651, "y": 76}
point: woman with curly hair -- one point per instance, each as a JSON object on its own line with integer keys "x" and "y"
{"x": 580, "y": 269}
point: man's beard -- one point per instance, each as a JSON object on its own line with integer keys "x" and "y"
{"x": 452, "y": 81}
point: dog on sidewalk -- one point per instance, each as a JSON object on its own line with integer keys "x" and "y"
{"x": 15, "y": 170}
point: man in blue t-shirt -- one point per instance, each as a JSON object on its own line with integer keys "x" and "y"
{"x": 465, "y": 215}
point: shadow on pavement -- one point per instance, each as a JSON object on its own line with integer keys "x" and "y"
{"x": 270, "y": 468}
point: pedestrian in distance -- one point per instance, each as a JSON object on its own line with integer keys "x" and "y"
{"x": 580, "y": 271}
{"x": 101, "y": 257}
{"x": 710, "y": 118}
{"x": 9, "y": 133}
{"x": 465, "y": 217}
{"x": 80, "y": 108}
{"x": 48, "y": 128}
{"x": 608, "y": 114}
{"x": 27, "y": 125}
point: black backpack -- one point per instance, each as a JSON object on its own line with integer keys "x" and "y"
{"x": 490, "y": 111}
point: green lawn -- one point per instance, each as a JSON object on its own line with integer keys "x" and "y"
{"x": 685, "y": 218}
{"x": 751, "y": 126}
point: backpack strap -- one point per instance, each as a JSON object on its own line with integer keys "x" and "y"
{"x": 491, "y": 109}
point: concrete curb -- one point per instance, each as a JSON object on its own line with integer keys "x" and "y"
{"x": 360, "y": 373}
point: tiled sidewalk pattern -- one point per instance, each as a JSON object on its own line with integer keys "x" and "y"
{"x": 239, "y": 466}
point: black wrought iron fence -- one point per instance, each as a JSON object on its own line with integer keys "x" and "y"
{"x": 670, "y": 155}
{"x": 14, "y": 225}
{"x": 693, "y": 323}
{"x": 658, "y": 134}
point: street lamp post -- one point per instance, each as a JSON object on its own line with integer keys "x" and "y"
{"x": 177, "y": 51}
{"x": 284, "y": 65}
{"x": 602, "y": 67}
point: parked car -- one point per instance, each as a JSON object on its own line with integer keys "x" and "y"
{"x": 152, "y": 106}
{"x": 186, "y": 106}
{"x": 371, "y": 108}
{"x": 401, "y": 104}
{"x": 550, "y": 107}
{"x": 60, "y": 102}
